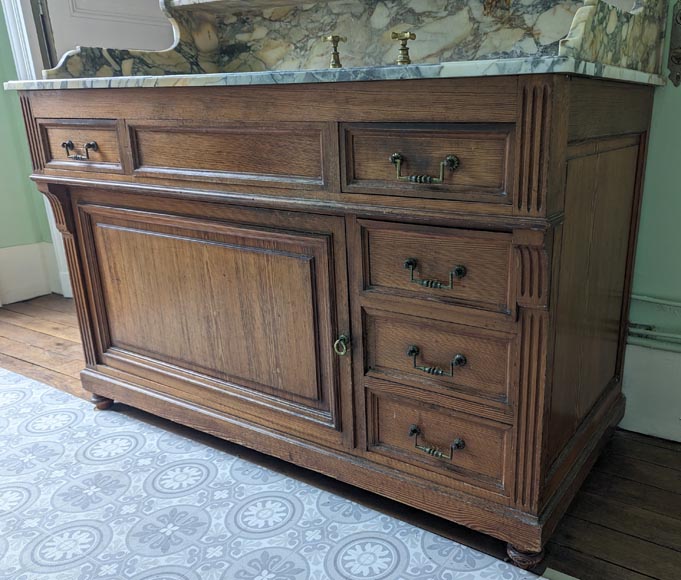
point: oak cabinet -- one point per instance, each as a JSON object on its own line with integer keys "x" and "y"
{"x": 444, "y": 326}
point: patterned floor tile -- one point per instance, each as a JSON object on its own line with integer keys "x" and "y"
{"x": 104, "y": 496}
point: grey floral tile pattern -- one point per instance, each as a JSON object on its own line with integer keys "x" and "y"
{"x": 88, "y": 495}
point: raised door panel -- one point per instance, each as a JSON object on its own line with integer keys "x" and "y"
{"x": 228, "y": 308}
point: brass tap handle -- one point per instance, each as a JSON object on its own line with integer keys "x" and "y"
{"x": 451, "y": 162}
{"x": 403, "y": 37}
{"x": 458, "y": 361}
{"x": 457, "y": 445}
{"x": 457, "y": 273}
{"x": 335, "y": 40}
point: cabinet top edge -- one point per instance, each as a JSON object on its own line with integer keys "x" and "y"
{"x": 465, "y": 69}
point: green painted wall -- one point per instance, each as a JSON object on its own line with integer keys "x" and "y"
{"x": 658, "y": 258}
{"x": 23, "y": 219}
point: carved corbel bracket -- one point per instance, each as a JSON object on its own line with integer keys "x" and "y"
{"x": 59, "y": 197}
{"x": 532, "y": 250}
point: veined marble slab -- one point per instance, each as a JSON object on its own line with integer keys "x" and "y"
{"x": 479, "y": 68}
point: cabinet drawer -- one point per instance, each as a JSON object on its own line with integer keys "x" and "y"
{"x": 442, "y": 264}
{"x": 436, "y": 441}
{"x": 450, "y": 358}
{"x": 281, "y": 155}
{"x": 475, "y": 162}
{"x": 81, "y": 145}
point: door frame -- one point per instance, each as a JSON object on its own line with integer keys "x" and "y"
{"x": 25, "y": 44}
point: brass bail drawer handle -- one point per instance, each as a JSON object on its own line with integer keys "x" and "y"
{"x": 457, "y": 445}
{"x": 458, "y": 361}
{"x": 340, "y": 347}
{"x": 458, "y": 273}
{"x": 89, "y": 146}
{"x": 451, "y": 162}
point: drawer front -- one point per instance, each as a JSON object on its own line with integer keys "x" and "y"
{"x": 449, "y": 358}
{"x": 437, "y": 443}
{"x": 474, "y": 162}
{"x": 281, "y": 155}
{"x": 81, "y": 145}
{"x": 442, "y": 264}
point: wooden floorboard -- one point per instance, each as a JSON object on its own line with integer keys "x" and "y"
{"x": 45, "y": 376}
{"x": 45, "y": 326}
{"x": 630, "y": 492}
{"x": 629, "y": 519}
{"x": 40, "y": 312}
{"x": 651, "y": 474}
{"x": 642, "y": 450}
{"x": 588, "y": 567}
{"x": 672, "y": 445}
{"x": 618, "y": 548}
{"x": 40, "y": 339}
{"x": 625, "y": 523}
{"x": 58, "y": 303}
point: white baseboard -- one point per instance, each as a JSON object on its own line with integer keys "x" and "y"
{"x": 27, "y": 272}
{"x": 652, "y": 385}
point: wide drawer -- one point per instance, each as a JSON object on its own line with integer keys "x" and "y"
{"x": 81, "y": 144}
{"x": 436, "y": 443}
{"x": 449, "y": 358}
{"x": 275, "y": 155}
{"x": 443, "y": 264}
{"x": 461, "y": 162}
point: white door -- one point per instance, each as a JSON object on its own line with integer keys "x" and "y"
{"x": 100, "y": 23}
{"x": 103, "y": 23}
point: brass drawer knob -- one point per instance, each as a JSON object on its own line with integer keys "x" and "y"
{"x": 340, "y": 347}
{"x": 69, "y": 147}
{"x": 458, "y": 273}
{"x": 457, "y": 445}
{"x": 451, "y": 163}
{"x": 458, "y": 361}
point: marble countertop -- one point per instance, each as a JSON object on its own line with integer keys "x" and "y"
{"x": 478, "y": 68}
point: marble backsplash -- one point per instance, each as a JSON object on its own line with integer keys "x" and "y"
{"x": 223, "y": 37}
{"x": 630, "y": 40}
{"x": 289, "y": 38}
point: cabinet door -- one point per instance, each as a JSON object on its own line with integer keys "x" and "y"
{"x": 236, "y": 316}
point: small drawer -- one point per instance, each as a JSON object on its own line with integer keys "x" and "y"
{"x": 450, "y": 358}
{"x": 469, "y": 163}
{"x": 81, "y": 144}
{"x": 437, "y": 443}
{"x": 442, "y": 264}
{"x": 290, "y": 155}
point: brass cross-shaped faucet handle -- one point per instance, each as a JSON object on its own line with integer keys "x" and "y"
{"x": 335, "y": 40}
{"x": 403, "y": 37}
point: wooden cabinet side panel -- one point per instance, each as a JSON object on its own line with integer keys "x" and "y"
{"x": 601, "y": 198}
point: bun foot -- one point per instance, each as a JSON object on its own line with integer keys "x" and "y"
{"x": 101, "y": 403}
{"x": 524, "y": 560}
